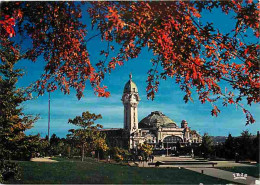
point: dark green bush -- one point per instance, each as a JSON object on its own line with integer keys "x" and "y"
{"x": 9, "y": 171}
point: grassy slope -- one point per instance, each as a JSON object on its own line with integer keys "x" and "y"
{"x": 92, "y": 172}
{"x": 251, "y": 171}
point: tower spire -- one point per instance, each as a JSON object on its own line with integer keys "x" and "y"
{"x": 130, "y": 101}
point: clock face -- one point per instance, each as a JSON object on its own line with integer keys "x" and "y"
{"x": 126, "y": 97}
{"x": 130, "y": 98}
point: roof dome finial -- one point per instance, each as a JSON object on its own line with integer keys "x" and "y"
{"x": 130, "y": 86}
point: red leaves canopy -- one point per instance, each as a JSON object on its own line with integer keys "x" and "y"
{"x": 196, "y": 55}
{"x": 58, "y": 35}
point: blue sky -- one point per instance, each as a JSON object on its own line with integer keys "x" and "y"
{"x": 168, "y": 100}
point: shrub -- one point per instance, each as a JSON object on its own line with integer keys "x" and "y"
{"x": 8, "y": 171}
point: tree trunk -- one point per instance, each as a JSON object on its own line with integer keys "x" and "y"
{"x": 82, "y": 152}
{"x": 98, "y": 155}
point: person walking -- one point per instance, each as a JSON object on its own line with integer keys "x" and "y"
{"x": 152, "y": 158}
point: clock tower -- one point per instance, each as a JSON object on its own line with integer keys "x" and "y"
{"x": 130, "y": 101}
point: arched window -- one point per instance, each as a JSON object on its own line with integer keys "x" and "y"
{"x": 172, "y": 139}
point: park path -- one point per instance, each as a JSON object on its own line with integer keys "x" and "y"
{"x": 214, "y": 172}
{"x": 222, "y": 174}
{"x": 207, "y": 170}
{"x": 43, "y": 159}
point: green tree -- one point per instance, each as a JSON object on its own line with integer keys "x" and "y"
{"x": 100, "y": 144}
{"x": 245, "y": 145}
{"x": 145, "y": 149}
{"x": 230, "y": 147}
{"x": 43, "y": 147}
{"x": 13, "y": 122}
{"x": 255, "y": 152}
{"x": 119, "y": 154}
{"x": 88, "y": 137}
{"x": 206, "y": 145}
{"x": 8, "y": 170}
{"x": 57, "y": 145}
{"x": 72, "y": 148}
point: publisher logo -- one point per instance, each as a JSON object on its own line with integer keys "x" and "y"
{"x": 239, "y": 176}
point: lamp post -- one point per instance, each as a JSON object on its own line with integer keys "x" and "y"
{"x": 132, "y": 135}
{"x": 49, "y": 116}
{"x": 167, "y": 149}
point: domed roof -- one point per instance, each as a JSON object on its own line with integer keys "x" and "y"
{"x": 156, "y": 119}
{"x": 130, "y": 86}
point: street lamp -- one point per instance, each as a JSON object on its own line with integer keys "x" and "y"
{"x": 167, "y": 149}
{"x": 132, "y": 134}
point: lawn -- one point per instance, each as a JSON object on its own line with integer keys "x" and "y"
{"x": 251, "y": 171}
{"x": 90, "y": 171}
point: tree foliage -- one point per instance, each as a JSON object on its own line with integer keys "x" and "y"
{"x": 58, "y": 146}
{"x": 194, "y": 53}
{"x": 243, "y": 147}
{"x": 14, "y": 144}
{"x": 206, "y": 146}
{"x": 88, "y": 138}
{"x": 58, "y": 35}
{"x": 13, "y": 122}
{"x": 145, "y": 150}
{"x": 230, "y": 147}
{"x": 119, "y": 154}
{"x": 8, "y": 170}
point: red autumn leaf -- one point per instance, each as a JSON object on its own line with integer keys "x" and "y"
{"x": 246, "y": 51}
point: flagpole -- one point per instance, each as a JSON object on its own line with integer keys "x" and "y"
{"x": 49, "y": 116}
